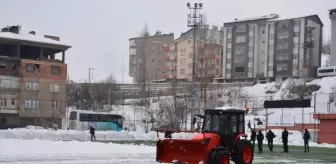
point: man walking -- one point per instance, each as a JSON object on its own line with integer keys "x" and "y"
{"x": 285, "y": 140}
{"x": 253, "y": 137}
{"x": 260, "y": 138}
{"x": 270, "y": 136}
{"x": 306, "y": 138}
{"x": 92, "y": 132}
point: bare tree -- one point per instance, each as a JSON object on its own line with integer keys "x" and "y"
{"x": 297, "y": 89}
{"x": 326, "y": 46}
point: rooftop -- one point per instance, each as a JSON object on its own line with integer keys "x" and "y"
{"x": 280, "y": 19}
{"x": 271, "y": 16}
{"x": 31, "y": 38}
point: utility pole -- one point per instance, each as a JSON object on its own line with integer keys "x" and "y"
{"x": 194, "y": 21}
{"x": 90, "y": 69}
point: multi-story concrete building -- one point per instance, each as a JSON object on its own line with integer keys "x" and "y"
{"x": 268, "y": 48}
{"x": 244, "y": 53}
{"x": 146, "y": 59}
{"x": 294, "y": 47}
{"x": 32, "y": 81}
{"x": 179, "y": 59}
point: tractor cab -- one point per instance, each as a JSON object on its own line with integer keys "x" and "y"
{"x": 228, "y": 124}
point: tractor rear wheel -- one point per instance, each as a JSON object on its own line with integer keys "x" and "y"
{"x": 244, "y": 154}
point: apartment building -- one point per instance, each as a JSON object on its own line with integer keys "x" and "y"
{"x": 294, "y": 47}
{"x": 268, "y": 48}
{"x": 244, "y": 53}
{"x": 179, "y": 59}
{"x": 146, "y": 56}
{"x": 32, "y": 79}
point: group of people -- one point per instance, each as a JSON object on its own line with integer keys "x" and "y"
{"x": 270, "y": 137}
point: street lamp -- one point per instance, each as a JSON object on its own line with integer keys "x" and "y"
{"x": 194, "y": 21}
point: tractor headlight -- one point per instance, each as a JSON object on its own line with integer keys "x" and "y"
{"x": 200, "y": 162}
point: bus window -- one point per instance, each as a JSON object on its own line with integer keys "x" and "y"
{"x": 119, "y": 121}
{"x": 73, "y": 115}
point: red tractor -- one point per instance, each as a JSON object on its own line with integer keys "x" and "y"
{"x": 222, "y": 139}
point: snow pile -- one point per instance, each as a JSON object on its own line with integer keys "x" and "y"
{"x": 10, "y": 148}
{"x": 70, "y": 135}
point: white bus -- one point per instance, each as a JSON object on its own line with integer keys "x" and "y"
{"x": 101, "y": 121}
{"x": 326, "y": 71}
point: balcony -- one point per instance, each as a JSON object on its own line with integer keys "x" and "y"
{"x": 166, "y": 68}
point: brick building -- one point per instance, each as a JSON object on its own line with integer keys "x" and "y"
{"x": 32, "y": 79}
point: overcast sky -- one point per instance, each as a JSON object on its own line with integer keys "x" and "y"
{"x": 98, "y": 30}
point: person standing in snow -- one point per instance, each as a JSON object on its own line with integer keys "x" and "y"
{"x": 249, "y": 124}
{"x": 285, "y": 140}
{"x": 260, "y": 138}
{"x": 270, "y": 136}
{"x": 306, "y": 138}
{"x": 253, "y": 137}
{"x": 92, "y": 132}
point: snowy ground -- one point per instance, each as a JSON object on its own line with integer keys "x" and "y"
{"x": 14, "y": 151}
{"x": 71, "y": 135}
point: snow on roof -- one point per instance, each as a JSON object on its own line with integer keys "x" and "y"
{"x": 31, "y": 38}
{"x": 228, "y": 107}
{"x": 271, "y": 16}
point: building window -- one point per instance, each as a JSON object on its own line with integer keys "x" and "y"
{"x": 250, "y": 39}
{"x": 285, "y": 25}
{"x": 182, "y": 71}
{"x": 241, "y": 28}
{"x": 3, "y": 103}
{"x": 270, "y": 68}
{"x": 31, "y": 104}
{"x": 229, "y": 41}
{"x": 54, "y": 104}
{"x": 229, "y": 50}
{"x": 183, "y": 62}
{"x": 283, "y": 35}
{"x": 251, "y": 28}
{"x": 55, "y": 88}
{"x": 239, "y": 60}
{"x": 271, "y": 37}
{"x": 250, "y": 69}
{"x": 250, "y": 59}
{"x": 13, "y": 101}
{"x": 32, "y": 85}
{"x": 296, "y": 23}
{"x": 282, "y": 56}
{"x": 241, "y": 39}
{"x": 282, "y": 46}
{"x": 240, "y": 50}
{"x": 282, "y": 67}
{"x": 55, "y": 70}
{"x": 228, "y": 61}
{"x": 296, "y": 34}
{"x": 295, "y": 57}
{"x": 250, "y": 49}
{"x": 228, "y": 71}
{"x": 32, "y": 68}
{"x": 229, "y": 30}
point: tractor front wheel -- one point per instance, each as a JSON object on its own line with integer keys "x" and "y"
{"x": 219, "y": 156}
{"x": 244, "y": 154}
{"x": 225, "y": 158}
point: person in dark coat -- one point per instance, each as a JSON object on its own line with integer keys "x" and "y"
{"x": 253, "y": 137}
{"x": 270, "y": 136}
{"x": 92, "y": 132}
{"x": 285, "y": 140}
{"x": 260, "y": 138}
{"x": 306, "y": 138}
{"x": 249, "y": 124}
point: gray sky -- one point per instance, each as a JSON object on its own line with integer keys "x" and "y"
{"x": 98, "y": 30}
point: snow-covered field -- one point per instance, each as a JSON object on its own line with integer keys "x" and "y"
{"x": 71, "y": 135}
{"x": 15, "y": 151}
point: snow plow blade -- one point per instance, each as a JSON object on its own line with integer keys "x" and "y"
{"x": 181, "y": 151}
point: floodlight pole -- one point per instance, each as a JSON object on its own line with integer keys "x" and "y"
{"x": 194, "y": 21}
